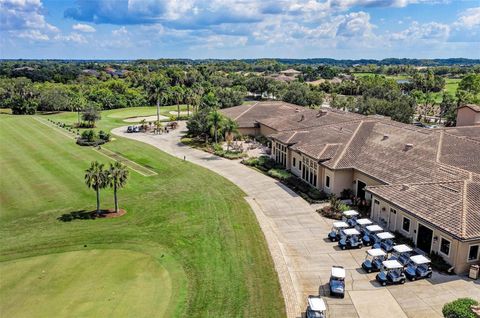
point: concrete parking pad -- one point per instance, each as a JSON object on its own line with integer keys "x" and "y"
{"x": 383, "y": 306}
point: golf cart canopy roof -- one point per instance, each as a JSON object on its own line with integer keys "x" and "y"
{"x": 340, "y": 224}
{"x": 338, "y": 271}
{"x": 316, "y": 304}
{"x": 392, "y": 264}
{"x": 402, "y": 248}
{"x": 374, "y": 228}
{"x": 385, "y": 235}
{"x": 364, "y": 222}
{"x": 420, "y": 259}
{"x": 351, "y": 232}
{"x": 376, "y": 252}
{"x": 350, "y": 213}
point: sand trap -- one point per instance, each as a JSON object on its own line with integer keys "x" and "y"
{"x": 147, "y": 118}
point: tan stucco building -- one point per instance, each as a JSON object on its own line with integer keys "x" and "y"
{"x": 468, "y": 115}
{"x": 422, "y": 183}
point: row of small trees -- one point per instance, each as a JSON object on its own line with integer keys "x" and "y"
{"x": 97, "y": 178}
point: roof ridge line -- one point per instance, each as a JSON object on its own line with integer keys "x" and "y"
{"x": 463, "y": 137}
{"x": 347, "y": 145}
{"x": 246, "y": 110}
{"x": 294, "y": 133}
{"x": 417, "y": 183}
{"x": 463, "y": 228}
{"x": 439, "y": 147}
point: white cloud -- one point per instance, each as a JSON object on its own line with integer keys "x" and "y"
{"x": 72, "y": 37}
{"x": 469, "y": 18}
{"x": 34, "y": 35}
{"x": 428, "y": 32}
{"x": 120, "y": 32}
{"x": 83, "y": 28}
{"x": 23, "y": 14}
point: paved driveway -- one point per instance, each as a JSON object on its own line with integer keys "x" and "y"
{"x": 295, "y": 234}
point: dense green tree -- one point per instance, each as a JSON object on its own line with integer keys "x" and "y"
{"x": 215, "y": 120}
{"x": 96, "y": 178}
{"x": 91, "y": 116}
{"x": 470, "y": 83}
{"x": 448, "y": 109}
{"x": 157, "y": 87}
{"x": 177, "y": 93}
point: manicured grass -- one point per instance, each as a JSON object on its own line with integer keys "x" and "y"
{"x": 91, "y": 283}
{"x": 194, "y": 223}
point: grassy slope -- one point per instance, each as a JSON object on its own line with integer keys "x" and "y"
{"x": 186, "y": 213}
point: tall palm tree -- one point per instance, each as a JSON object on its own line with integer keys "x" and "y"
{"x": 229, "y": 127}
{"x": 177, "y": 93}
{"x": 117, "y": 178}
{"x": 214, "y": 121}
{"x": 156, "y": 87}
{"x": 189, "y": 99}
{"x": 96, "y": 178}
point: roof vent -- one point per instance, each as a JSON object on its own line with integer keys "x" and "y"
{"x": 302, "y": 118}
{"x": 408, "y": 147}
{"x": 385, "y": 137}
{"x": 297, "y": 110}
{"x": 404, "y": 187}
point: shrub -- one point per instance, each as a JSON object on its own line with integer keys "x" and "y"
{"x": 233, "y": 155}
{"x": 88, "y": 135}
{"x": 316, "y": 194}
{"x": 104, "y": 135}
{"x": 94, "y": 143}
{"x": 329, "y": 213}
{"x": 346, "y": 194}
{"x": 267, "y": 162}
{"x": 460, "y": 308}
{"x": 253, "y": 162}
{"x": 439, "y": 263}
{"x": 280, "y": 174}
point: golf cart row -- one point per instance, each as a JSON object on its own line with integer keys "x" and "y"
{"x": 394, "y": 272}
{"x": 316, "y": 307}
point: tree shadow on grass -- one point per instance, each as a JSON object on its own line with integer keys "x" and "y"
{"x": 78, "y": 215}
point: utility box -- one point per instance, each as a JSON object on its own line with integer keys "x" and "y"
{"x": 474, "y": 270}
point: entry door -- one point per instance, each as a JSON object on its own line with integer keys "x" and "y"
{"x": 361, "y": 189}
{"x": 424, "y": 238}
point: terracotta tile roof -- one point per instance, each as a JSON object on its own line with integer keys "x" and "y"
{"x": 451, "y": 206}
{"x": 472, "y": 106}
{"x": 247, "y": 115}
{"x": 471, "y": 132}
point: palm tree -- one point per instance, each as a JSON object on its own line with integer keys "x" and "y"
{"x": 158, "y": 126}
{"x": 96, "y": 178}
{"x": 189, "y": 99}
{"x": 156, "y": 87}
{"x": 214, "y": 121}
{"x": 177, "y": 93}
{"x": 229, "y": 127}
{"x": 117, "y": 178}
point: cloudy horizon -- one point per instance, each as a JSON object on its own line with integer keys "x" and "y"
{"x": 340, "y": 29}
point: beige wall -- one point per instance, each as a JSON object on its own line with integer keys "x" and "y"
{"x": 265, "y": 131}
{"x": 298, "y": 158}
{"x": 382, "y": 214}
{"x": 248, "y": 131}
{"x": 339, "y": 180}
{"x": 357, "y": 175}
{"x": 467, "y": 117}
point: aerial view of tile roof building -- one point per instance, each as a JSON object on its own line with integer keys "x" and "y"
{"x": 422, "y": 183}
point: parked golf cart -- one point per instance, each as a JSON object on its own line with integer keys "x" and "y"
{"x": 401, "y": 253}
{"x": 337, "y": 282}
{"x": 384, "y": 240}
{"x": 350, "y": 240}
{"x": 373, "y": 260}
{"x": 350, "y": 216}
{"x": 391, "y": 273}
{"x": 362, "y": 224}
{"x": 369, "y": 232}
{"x": 418, "y": 268}
{"x": 315, "y": 307}
{"x": 337, "y": 228}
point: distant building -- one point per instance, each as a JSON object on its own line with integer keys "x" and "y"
{"x": 291, "y": 72}
{"x": 468, "y": 115}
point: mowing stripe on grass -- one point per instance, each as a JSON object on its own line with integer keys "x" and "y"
{"x": 129, "y": 163}
{"x": 46, "y": 123}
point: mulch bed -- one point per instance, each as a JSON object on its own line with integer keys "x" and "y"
{"x": 110, "y": 213}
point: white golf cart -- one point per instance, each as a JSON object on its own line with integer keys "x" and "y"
{"x": 418, "y": 268}
{"x": 337, "y": 281}
{"x": 335, "y": 233}
{"x": 350, "y": 216}
{"x": 373, "y": 260}
{"x": 401, "y": 253}
{"x": 384, "y": 240}
{"x": 362, "y": 224}
{"x": 315, "y": 307}
{"x": 392, "y": 273}
{"x": 369, "y": 237}
{"x": 350, "y": 240}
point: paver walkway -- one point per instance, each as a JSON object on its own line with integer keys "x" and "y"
{"x": 296, "y": 236}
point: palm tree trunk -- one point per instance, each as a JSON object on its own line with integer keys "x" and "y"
{"x": 178, "y": 111}
{"x": 97, "y": 190}
{"x": 158, "y": 108}
{"x": 216, "y": 139}
{"x": 115, "y": 197}
{"x": 188, "y": 110}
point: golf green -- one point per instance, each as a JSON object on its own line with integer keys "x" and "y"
{"x": 93, "y": 283}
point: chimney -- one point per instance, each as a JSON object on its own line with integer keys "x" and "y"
{"x": 385, "y": 137}
{"x": 404, "y": 187}
{"x": 408, "y": 147}
{"x": 302, "y": 118}
{"x": 297, "y": 110}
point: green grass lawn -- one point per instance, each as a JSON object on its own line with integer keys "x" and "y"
{"x": 186, "y": 223}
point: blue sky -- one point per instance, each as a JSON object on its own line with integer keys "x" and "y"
{"x": 130, "y": 29}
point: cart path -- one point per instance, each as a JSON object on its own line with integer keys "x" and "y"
{"x": 296, "y": 237}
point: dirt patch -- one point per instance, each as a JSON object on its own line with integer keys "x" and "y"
{"x": 110, "y": 213}
{"x": 147, "y": 118}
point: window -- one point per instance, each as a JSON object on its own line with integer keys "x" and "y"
{"x": 376, "y": 201}
{"x": 406, "y": 224}
{"x": 473, "y": 253}
{"x": 300, "y": 165}
{"x": 327, "y": 182}
{"x": 294, "y": 162}
{"x": 445, "y": 247}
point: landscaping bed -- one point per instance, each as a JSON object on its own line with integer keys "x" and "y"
{"x": 216, "y": 149}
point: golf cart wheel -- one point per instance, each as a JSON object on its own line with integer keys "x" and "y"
{"x": 343, "y": 247}
{"x": 384, "y": 283}
{"x": 413, "y": 278}
{"x": 429, "y": 275}
{"x": 342, "y": 296}
{"x": 402, "y": 281}
{"x": 334, "y": 239}
{"x": 369, "y": 270}
{"x": 360, "y": 246}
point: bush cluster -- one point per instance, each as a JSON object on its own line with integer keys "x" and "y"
{"x": 460, "y": 308}
{"x": 90, "y": 138}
